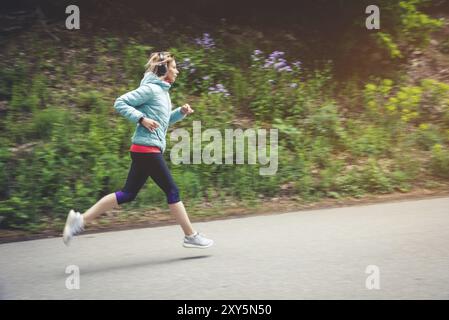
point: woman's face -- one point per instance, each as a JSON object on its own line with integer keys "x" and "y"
{"x": 172, "y": 72}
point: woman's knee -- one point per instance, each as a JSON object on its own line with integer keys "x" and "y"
{"x": 123, "y": 196}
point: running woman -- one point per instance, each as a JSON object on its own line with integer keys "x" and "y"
{"x": 149, "y": 107}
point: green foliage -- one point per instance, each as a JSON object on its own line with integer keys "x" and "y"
{"x": 65, "y": 147}
{"x": 439, "y": 163}
{"x": 397, "y": 107}
{"x": 45, "y": 121}
{"x": 427, "y": 135}
{"x": 416, "y": 25}
{"x": 407, "y": 28}
{"x": 385, "y": 40}
{"x": 135, "y": 56}
{"x": 368, "y": 140}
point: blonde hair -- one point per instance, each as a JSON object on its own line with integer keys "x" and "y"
{"x": 154, "y": 59}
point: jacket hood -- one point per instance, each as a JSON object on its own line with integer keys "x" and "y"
{"x": 150, "y": 77}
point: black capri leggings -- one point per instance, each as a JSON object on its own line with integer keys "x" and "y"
{"x": 146, "y": 165}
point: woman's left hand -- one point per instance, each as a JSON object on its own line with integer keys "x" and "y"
{"x": 185, "y": 109}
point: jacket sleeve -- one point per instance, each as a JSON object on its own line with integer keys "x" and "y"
{"x": 127, "y": 103}
{"x": 176, "y": 115}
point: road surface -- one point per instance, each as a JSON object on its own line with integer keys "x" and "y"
{"x": 397, "y": 250}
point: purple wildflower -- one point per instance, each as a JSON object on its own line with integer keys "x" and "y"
{"x": 276, "y": 54}
{"x": 286, "y": 68}
{"x": 187, "y": 65}
{"x": 297, "y": 64}
{"x": 268, "y": 63}
{"x": 206, "y": 41}
{"x": 276, "y": 61}
{"x": 279, "y": 65}
{"x": 256, "y": 54}
{"x": 219, "y": 88}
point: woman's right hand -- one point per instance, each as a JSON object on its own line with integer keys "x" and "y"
{"x": 150, "y": 124}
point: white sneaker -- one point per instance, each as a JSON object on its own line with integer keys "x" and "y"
{"x": 197, "y": 241}
{"x": 73, "y": 225}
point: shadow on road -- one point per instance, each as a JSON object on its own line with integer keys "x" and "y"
{"x": 132, "y": 265}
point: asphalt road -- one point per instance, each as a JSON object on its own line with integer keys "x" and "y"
{"x": 402, "y": 248}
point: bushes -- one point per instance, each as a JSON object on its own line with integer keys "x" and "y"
{"x": 427, "y": 135}
{"x": 45, "y": 121}
{"x": 408, "y": 28}
{"x": 135, "y": 55}
{"x": 367, "y": 139}
{"x": 74, "y": 147}
{"x": 439, "y": 162}
{"x": 401, "y": 109}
